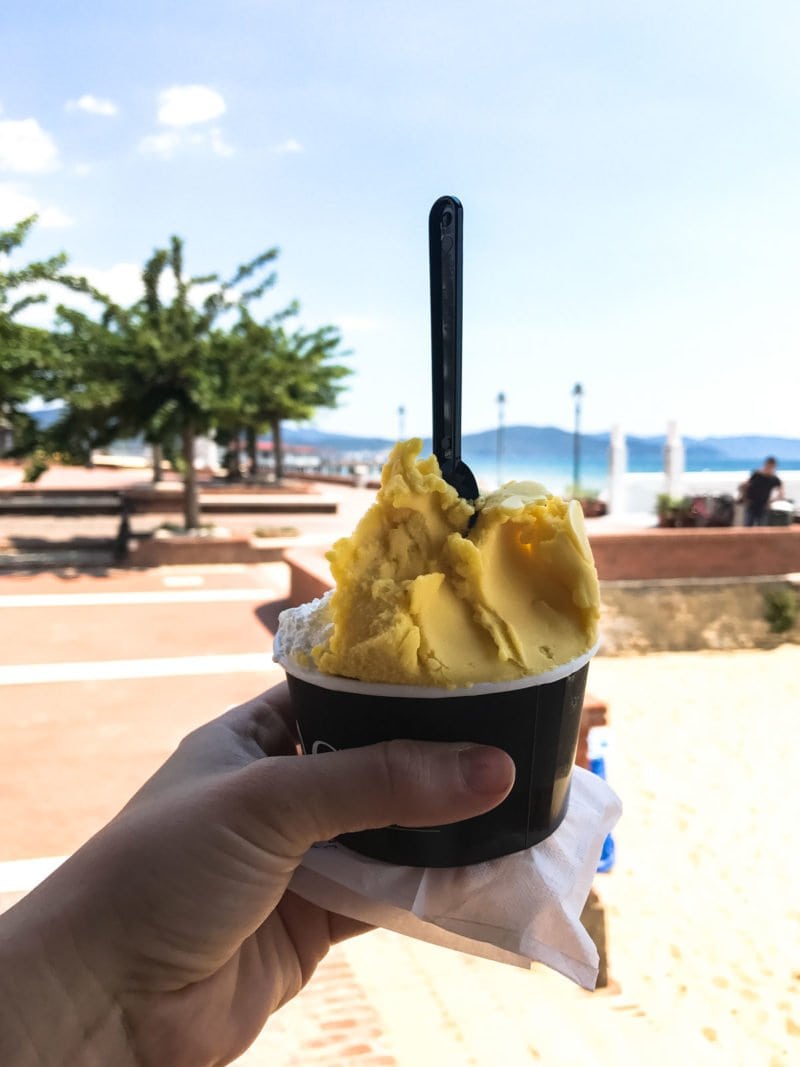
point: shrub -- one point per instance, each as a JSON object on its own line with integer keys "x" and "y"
{"x": 781, "y": 609}
{"x": 37, "y": 464}
{"x": 275, "y": 531}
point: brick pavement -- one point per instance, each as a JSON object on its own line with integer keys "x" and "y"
{"x": 72, "y": 753}
{"x": 333, "y": 1022}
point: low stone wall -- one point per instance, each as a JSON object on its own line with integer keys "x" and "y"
{"x": 689, "y": 615}
{"x": 193, "y": 551}
{"x": 233, "y": 500}
{"x": 656, "y": 615}
{"x": 310, "y": 575}
{"x": 732, "y": 552}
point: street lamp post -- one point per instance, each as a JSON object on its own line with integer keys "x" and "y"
{"x": 501, "y": 406}
{"x": 577, "y": 394}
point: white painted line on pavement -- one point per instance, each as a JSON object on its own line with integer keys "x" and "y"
{"x": 176, "y": 581}
{"x": 156, "y": 596}
{"x": 20, "y": 876}
{"x": 120, "y": 669}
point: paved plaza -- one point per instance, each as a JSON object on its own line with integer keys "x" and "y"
{"x": 102, "y": 674}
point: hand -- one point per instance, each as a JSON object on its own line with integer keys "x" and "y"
{"x": 170, "y": 937}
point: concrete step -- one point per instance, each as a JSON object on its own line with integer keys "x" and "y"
{"x": 55, "y": 559}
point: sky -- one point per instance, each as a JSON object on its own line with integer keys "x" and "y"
{"x": 630, "y": 175}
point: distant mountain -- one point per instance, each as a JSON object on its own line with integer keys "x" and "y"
{"x": 336, "y": 442}
{"x": 555, "y": 445}
{"x": 759, "y": 447}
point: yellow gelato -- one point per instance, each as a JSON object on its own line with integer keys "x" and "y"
{"x": 433, "y": 591}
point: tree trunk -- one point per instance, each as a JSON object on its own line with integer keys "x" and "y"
{"x": 158, "y": 464}
{"x": 252, "y": 451}
{"x": 277, "y": 450}
{"x": 191, "y": 502}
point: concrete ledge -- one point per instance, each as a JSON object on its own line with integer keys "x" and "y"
{"x": 732, "y": 552}
{"x": 310, "y": 575}
{"x": 655, "y": 615}
{"x": 60, "y": 503}
{"x": 747, "y": 555}
{"x": 255, "y": 499}
{"x": 354, "y": 480}
{"x": 159, "y": 552}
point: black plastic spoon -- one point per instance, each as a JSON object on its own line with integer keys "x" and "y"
{"x": 446, "y": 244}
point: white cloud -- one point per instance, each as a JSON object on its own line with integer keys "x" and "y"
{"x": 219, "y": 146}
{"x": 53, "y": 218}
{"x": 356, "y": 323}
{"x": 161, "y": 144}
{"x": 94, "y": 105}
{"x": 16, "y": 204}
{"x": 81, "y": 170}
{"x": 288, "y": 147}
{"x": 187, "y": 105}
{"x": 25, "y": 148}
{"x": 122, "y": 281}
{"x": 168, "y": 143}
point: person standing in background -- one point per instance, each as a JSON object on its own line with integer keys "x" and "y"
{"x": 757, "y": 492}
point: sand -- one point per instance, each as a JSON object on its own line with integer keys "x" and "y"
{"x": 703, "y": 906}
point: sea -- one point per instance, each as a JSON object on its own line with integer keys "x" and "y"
{"x": 640, "y": 487}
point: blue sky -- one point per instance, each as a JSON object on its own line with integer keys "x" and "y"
{"x": 630, "y": 175}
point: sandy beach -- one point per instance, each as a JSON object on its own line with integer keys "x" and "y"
{"x": 702, "y": 906}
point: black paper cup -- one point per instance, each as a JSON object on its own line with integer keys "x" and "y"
{"x": 535, "y": 719}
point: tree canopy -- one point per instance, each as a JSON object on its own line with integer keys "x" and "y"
{"x": 187, "y": 358}
{"x": 26, "y": 353}
{"x": 277, "y": 375}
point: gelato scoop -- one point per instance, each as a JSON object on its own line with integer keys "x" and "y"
{"x": 433, "y": 591}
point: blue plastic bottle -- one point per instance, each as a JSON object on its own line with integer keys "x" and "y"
{"x": 599, "y": 742}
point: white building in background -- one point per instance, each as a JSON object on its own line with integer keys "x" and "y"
{"x": 674, "y": 461}
{"x": 617, "y": 467}
{"x": 206, "y": 454}
{"x": 6, "y": 436}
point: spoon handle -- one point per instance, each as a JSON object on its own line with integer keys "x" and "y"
{"x": 446, "y": 246}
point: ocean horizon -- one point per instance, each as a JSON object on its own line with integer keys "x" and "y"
{"x": 640, "y": 486}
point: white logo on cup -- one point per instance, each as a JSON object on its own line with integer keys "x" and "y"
{"x": 322, "y": 746}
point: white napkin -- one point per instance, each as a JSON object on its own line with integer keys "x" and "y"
{"x": 518, "y": 909}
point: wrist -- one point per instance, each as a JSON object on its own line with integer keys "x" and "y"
{"x": 54, "y": 1008}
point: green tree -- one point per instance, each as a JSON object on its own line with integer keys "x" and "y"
{"x": 153, "y": 368}
{"x": 26, "y": 353}
{"x": 278, "y": 375}
{"x": 95, "y": 363}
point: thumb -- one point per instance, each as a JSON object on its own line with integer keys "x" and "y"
{"x": 303, "y": 799}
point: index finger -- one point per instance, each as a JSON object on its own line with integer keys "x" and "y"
{"x": 267, "y": 720}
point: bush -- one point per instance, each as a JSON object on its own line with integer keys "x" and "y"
{"x": 781, "y": 609}
{"x": 700, "y": 510}
{"x": 672, "y": 510}
{"x": 580, "y": 492}
{"x": 37, "y": 464}
{"x": 275, "y": 531}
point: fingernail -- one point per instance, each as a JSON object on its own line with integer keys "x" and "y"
{"x": 486, "y": 770}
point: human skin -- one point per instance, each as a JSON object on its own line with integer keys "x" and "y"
{"x": 170, "y": 937}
